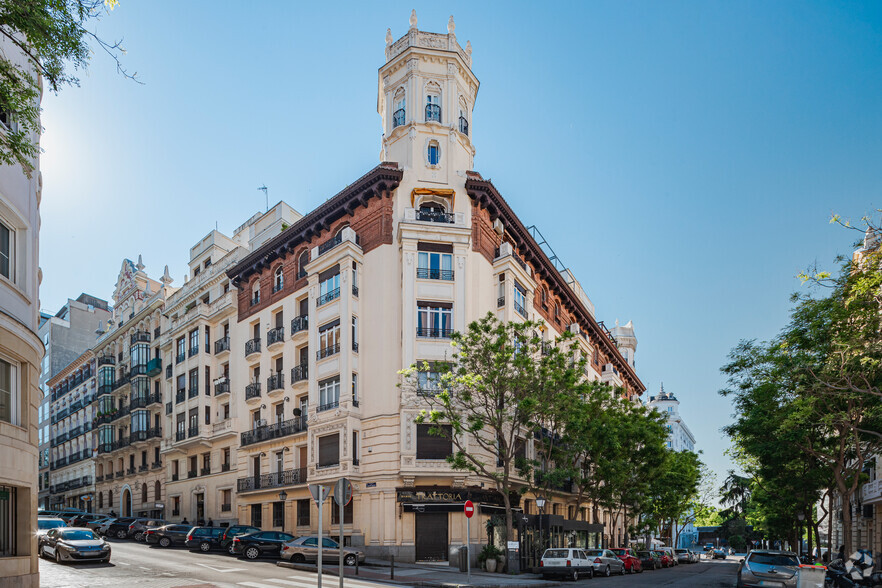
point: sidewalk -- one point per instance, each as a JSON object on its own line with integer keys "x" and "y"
{"x": 426, "y": 575}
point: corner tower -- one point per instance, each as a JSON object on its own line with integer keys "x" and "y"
{"x": 426, "y": 97}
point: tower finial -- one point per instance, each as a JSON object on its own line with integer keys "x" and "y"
{"x": 166, "y": 278}
{"x": 388, "y": 36}
{"x": 451, "y": 26}
{"x": 662, "y": 388}
{"x": 140, "y": 266}
{"x": 413, "y": 19}
{"x": 469, "y": 48}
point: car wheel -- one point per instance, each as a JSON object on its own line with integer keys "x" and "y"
{"x": 252, "y": 553}
{"x": 622, "y": 570}
{"x": 349, "y": 560}
{"x": 298, "y": 558}
{"x": 205, "y": 547}
{"x": 121, "y": 534}
{"x": 230, "y": 549}
{"x": 139, "y": 535}
{"x": 164, "y": 542}
{"x": 606, "y": 572}
{"x": 57, "y": 557}
{"x": 575, "y": 575}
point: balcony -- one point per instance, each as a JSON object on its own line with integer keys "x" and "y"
{"x": 222, "y": 345}
{"x": 180, "y": 435}
{"x": 145, "y": 401}
{"x": 142, "y": 436}
{"x": 463, "y": 126}
{"x": 435, "y": 216}
{"x": 328, "y": 297}
{"x": 275, "y": 382}
{"x": 330, "y": 244}
{"x": 180, "y": 357}
{"x": 434, "y": 333}
{"x": 140, "y": 337}
{"x": 193, "y": 392}
{"x": 426, "y": 273}
{"x": 143, "y": 468}
{"x": 298, "y": 324}
{"x": 299, "y": 373}
{"x": 193, "y": 351}
{"x": 398, "y": 118}
{"x": 433, "y": 113}
{"x": 106, "y": 360}
{"x": 154, "y": 367}
{"x": 222, "y": 387}
{"x": 274, "y": 336}
{"x": 328, "y": 406}
{"x": 252, "y": 391}
{"x": 138, "y": 370}
{"x": 193, "y": 431}
{"x": 274, "y": 431}
{"x": 871, "y": 492}
{"x": 105, "y": 389}
{"x": 168, "y": 372}
{"x": 119, "y": 474}
{"x": 252, "y": 347}
{"x": 273, "y": 480}
{"x": 191, "y": 474}
{"x": 156, "y": 465}
{"x": 225, "y": 467}
{"x": 129, "y": 472}
{"x": 122, "y": 381}
{"x": 327, "y": 351}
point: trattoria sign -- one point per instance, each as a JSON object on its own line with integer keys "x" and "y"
{"x": 441, "y": 495}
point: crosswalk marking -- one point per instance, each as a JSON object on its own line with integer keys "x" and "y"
{"x": 308, "y": 580}
{"x": 347, "y": 581}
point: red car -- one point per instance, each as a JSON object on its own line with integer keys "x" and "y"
{"x": 632, "y": 562}
{"x": 664, "y": 559}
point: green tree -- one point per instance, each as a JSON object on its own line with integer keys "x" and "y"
{"x": 54, "y": 37}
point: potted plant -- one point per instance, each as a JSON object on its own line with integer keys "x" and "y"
{"x": 487, "y": 557}
{"x": 297, "y": 412}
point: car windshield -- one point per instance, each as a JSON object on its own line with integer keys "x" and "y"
{"x": 49, "y": 523}
{"x": 593, "y": 552}
{"x": 773, "y": 559}
{"x": 681, "y": 551}
{"x": 76, "y": 535}
{"x": 644, "y": 554}
{"x": 556, "y": 553}
{"x": 620, "y": 551}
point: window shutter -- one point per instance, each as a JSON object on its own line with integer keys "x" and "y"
{"x": 433, "y": 446}
{"x": 329, "y": 273}
{"x": 329, "y": 450}
{"x": 435, "y": 247}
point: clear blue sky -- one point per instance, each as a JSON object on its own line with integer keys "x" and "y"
{"x": 683, "y": 158}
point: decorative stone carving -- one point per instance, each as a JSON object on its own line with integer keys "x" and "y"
{"x": 459, "y": 482}
{"x": 413, "y": 19}
{"x": 451, "y": 26}
{"x": 408, "y": 430}
{"x": 388, "y": 37}
{"x": 407, "y": 481}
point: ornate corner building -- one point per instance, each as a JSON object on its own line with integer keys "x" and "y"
{"x": 373, "y": 280}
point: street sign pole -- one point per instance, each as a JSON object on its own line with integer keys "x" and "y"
{"x": 469, "y": 509}
{"x": 319, "y": 493}
{"x": 342, "y": 496}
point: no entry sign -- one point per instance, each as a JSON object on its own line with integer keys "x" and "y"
{"x": 469, "y": 509}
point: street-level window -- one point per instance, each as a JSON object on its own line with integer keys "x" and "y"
{"x": 430, "y": 446}
{"x": 303, "y": 507}
{"x": 7, "y": 246}
{"x": 8, "y": 522}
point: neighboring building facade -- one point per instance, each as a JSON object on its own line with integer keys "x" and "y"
{"x": 72, "y": 478}
{"x": 202, "y": 429}
{"x": 20, "y": 354}
{"x": 65, "y": 335}
{"x": 371, "y": 281}
{"x": 129, "y": 474}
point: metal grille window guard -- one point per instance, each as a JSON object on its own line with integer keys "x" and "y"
{"x": 180, "y": 396}
{"x": 434, "y": 332}
{"x": 328, "y": 406}
{"x": 193, "y": 351}
{"x": 193, "y": 393}
{"x": 325, "y": 298}
{"x": 434, "y": 274}
{"x": 500, "y": 301}
{"x": 520, "y": 309}
{"x": 327, "y": 351}
{"x": 193, "y": 431}
{"x": 252, "y": 390}
{"x": 355, "y": 290}
{"x": 180, "y": 435}
{"x": 180, "y": 357}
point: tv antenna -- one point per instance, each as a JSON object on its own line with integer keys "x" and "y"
{"x": 265, "y": 191}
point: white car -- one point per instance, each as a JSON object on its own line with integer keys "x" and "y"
{"x": 566, "y": 562}
{"x": 671, "y": 554}
{"x": 605, "y": 562}
{"x": 44, "y": 524}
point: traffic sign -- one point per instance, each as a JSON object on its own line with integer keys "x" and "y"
{"x": 343, "y": 492}
{"x": 469, "y": 508}
{"x": 319, "y": 493}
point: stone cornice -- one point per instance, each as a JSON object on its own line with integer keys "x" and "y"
{"x": 383, "y": 178}
{"x": 485, "y": 195}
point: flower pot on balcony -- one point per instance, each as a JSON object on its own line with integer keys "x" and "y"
{"x": 297, "y": 412}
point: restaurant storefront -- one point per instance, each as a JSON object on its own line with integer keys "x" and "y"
{"x": 539, "y": 532}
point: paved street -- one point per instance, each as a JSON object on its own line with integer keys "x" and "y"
{"x": 135, "y": 564}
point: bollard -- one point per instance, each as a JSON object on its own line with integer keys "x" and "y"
{"x": 356, "y": 565}
{"x": 393, "y": 568}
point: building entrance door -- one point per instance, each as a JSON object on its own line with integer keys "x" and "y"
{"x": 200, "y": 509}
{"x": 126, "y": 506}
{"x": 430, "y": 532}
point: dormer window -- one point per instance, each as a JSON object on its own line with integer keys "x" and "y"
{"x": 278, "y": 280}
{"x": 433, "y": 107}
{"x": 434, "y": 151}
{"x": 399, "y": 105}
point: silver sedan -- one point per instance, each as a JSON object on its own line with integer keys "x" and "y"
{"x": 305, "y": 549}
{"x": 605, "y": 562}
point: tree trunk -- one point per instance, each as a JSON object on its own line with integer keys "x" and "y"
{"x": 830, "y": 523}
{"x": 846, "y": 524}
{"x": 809, "y": 519}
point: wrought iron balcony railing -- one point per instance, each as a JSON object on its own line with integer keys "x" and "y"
{"x": 252, "y": 346}
{"x": 434, "y": 274}
{"x": 221, "y": 345}
{"x": 327, "y": 351}
{"x": 273, "y": 480}
{"x": 433, "y": 112}
{"x": 300, "y": 323}
{"x": 435, "y": 216}
{"x": 276, "y": 335}
{"x": 252, "y": 390}
{"x": 299, "y": 373}
{"x": 398, "y": 118}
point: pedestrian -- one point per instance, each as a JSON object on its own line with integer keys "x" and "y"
{"x": 841, "y": 554}
{"x": 210, "y": 522}
{"x": 185, "y": 521}
{"x": 113, "y": 514}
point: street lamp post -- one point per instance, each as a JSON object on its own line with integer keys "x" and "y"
{"x": 283, "y": 496}
{"x": 801, "y": 517}
{"x": 540, "y": 502}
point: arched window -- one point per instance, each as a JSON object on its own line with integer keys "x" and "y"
{"x": 143, "y": 493}
{"x": 255, "y": 292}
{"x": 278, "y": 280}
{"x": 433, "y": 211}
{"x": 301, "y": 264}
{"x": 110, "y": 498}
{"x": 157, "y": 490}
{"x": 433, "y": 155}
{"x": 399, "y": 108}
{"x": 433, "y": 103}
{"x": 463, "y": 117}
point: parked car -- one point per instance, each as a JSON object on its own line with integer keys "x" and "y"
{"x": 708, "y": 546}
{"x": 80, "y": 520}
{"x": 205, "y": 538}
{"x": 683, "y": 556}
{"x": 670, "y": 553}
{"x": 138, "y": 526}
{"x": 605, "y": 562}
{"x": 227, "y": 538}
{"x": 567, "y": 563}
{"x": 262, "y": 543}
{"x": 118, "y": 528}
{"x": 664, "y": 559}
{"x": 168, "y": 536}
{"x": 305, "y": 549}
{"x": 629, "y": 558}
{"x": 94, "y": 525}
{"x": 44, "y": 524}
{"x": 69, "y": 515}
{"x": 719, "y": 553}
{"x": 767, "y": 568}
{"x": 649, "y": 560}
{"x": 73, "y": 544}
{"x": 696, "y": 557}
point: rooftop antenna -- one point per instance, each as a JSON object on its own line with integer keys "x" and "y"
{"x": 266, "y": 195}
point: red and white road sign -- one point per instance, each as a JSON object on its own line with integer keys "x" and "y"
{"x": 469, "y": 509}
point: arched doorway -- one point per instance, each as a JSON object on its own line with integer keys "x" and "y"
{"x": 126, "y": 503}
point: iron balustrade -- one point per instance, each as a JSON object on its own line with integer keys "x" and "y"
{"x": 272, "y": 480}
{"x": 433, "y": 112}
{"x": 222, "y": 345}
{"x": 398, "y": 118}
{"x": 205, "y": 471}
{"x": 138, "y": 436}
{"x": 168, "y": 372}
{"x": 275, "y": 382}
{"x": 140, "y": 337}
{"x": 191, "y": 474}
{"x": 156, "y": 465}
{"x": 193, "y": 393}
{"x": 327, "y": 297}
{"x": 222, "y": 388}
{"x": 193, "y": 351}
{"x": 276, "y": 335}
{"x": 226, "y": 507}
{"x": 299, "y": 373}
{"x": 180, "y": 435}
{"x": 138, "y": 370}
{"x": 300, "y": 323}
{"x": 274, "y": 431}
{"x": 130, "y": 471}
{"x": 520, "y": 309}
{"x": 434, "y": 333}
{"x": 463, "y": 125}
{"x": 252, "y": 390}
{"x": 435, "y": 216}
{"x": 122, "y": 381}
{"x": 330, "y": 244}
{"x": 355, "y": 402}
{"x": 175, "y": 478}
{"x": 180, "y": 396}
{"x": 252, "y": 346}
{"x": 106, "y": 360}
{"x": 225, "y": 467}
{"x": 119, "y": 474}
{"x": 180, "y": 357}
{"x": 105, "y": 389}
{"x": 355, "y": 290}
{"x": 327, "y": 351}
{"x": 168, "y": 408}
{"x": 328, "y": 406}
{"x": 193, "y": 431}
{"x": 434, "y": 274}
{"x": 143, "y": 468}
